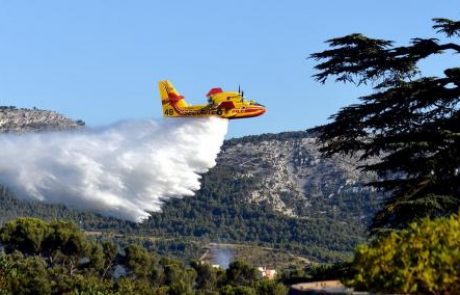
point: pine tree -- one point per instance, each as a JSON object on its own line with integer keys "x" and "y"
{"x": 410, "y": 122}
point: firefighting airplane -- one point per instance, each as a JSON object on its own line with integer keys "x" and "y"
{"x": 229, "y": 104}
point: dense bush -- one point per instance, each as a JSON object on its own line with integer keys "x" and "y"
{"x": 423, "y": 259}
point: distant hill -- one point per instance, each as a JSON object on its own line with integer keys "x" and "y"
{"x": 14, "y": 120}
{"x": 271, "y": 189}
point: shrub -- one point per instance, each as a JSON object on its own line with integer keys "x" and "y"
{"x": 423, "y": 258}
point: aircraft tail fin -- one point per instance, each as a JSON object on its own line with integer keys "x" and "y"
{"x": 171, "y": 99}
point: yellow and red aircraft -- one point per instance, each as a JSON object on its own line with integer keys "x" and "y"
{"x": 228, "y": 104}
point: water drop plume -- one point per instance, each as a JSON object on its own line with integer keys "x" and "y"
{"x": 125, "y": 170}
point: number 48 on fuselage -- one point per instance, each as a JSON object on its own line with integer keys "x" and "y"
{"x": 228, "y": 104}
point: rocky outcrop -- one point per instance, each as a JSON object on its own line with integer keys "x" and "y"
{"x": 290, "y": 175}
{"x": 13, "y": 120}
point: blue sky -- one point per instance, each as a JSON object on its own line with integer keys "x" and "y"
{"x": 100, "y": 61}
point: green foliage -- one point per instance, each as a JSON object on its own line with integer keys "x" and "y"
{"x": 206, "y": 275}
{"x": 138, "y": 261}
{"x": 422, "y": 259}
{"x": 58, "y": 242}
{"x": 267, "y": 287}
{"x": 25, "y": 235}
{"x": 410, "y": 122}
{"x": 109, "y": 258}
{"x": 240, "y": 273}
{"x": 238, "y": 290}
{"x": 56, "y": 258}
{"x": 66, "y": 238}
{"x": 27, "y": 275}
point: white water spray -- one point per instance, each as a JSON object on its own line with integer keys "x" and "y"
{"x": 125, "y": 170}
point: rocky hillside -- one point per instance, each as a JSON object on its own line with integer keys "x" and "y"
{"x": 13, "y": 120}
{"x": 290, "y": 175}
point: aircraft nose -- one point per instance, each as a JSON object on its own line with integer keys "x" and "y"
{"x": 262, "y": 110}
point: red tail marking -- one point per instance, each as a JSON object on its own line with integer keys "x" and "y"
{"x": 174, "y": 97}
